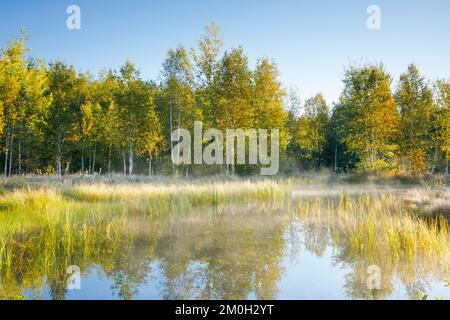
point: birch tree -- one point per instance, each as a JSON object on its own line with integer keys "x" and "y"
{"x": 370, "y": 124}
{"x": 13, "y": 70}
{"x": 207, "y": 62}
{"x": 61, "y": 122}
{"x": 234, "y": 94}
{"x": 415, "y": 103}
{"x": 177, "y": 77}
{"x": 312, "y": 125}
{"x": 442, "y": 98}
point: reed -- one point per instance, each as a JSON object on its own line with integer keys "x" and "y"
{"x": 45, "y": 227}
{"x": 380, "y": 226}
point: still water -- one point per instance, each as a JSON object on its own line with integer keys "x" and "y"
{"x": 245, "y": 251}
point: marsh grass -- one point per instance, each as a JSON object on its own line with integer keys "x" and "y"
{"x": 45, "y": 229}
{"x": 45, "y": 226}
{"x": 383, "y": 229}
{"x": 41, "y": 234}
{"x": 189, "y": 194}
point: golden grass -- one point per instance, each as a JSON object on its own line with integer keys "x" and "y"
{"x": 380, "y": 226}
{"x": 45, "y": 228}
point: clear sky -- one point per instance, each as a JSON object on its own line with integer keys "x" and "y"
{"x": 311, "y": 41}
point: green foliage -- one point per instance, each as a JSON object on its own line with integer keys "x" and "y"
{"x": 312, "y": 124}
{"x": 441, "y": 121}
{"x": 369, "y": 121}
{"x": 268, "y": 96}
{"x": 56, "y": 121}
{"x": 415, "y": 102}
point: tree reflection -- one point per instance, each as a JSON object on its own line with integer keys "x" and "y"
{"x": 227, "y": 252}
{"x": 228, "y": 256}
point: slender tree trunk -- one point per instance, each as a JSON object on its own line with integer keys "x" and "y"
{"x": 336, "y": 153}
{"x": 434, "y": 160}
{"x": 316, "y": 142}
{"x": 109, "y": 156}
{"x": 233, "y": 165}
{"x": 93, "y": 161}
{"x": 11, "y": 156}
{"x": 58, "y": 156}
{"x": 227, "y": 166}
{"x": 446, "y": 168}
{"x": 447, "y": 151}
{"x": 6, "y": 153}
{"x": 130, "y": 166}
{"x": 213, "y": 107}
{"x": 447, "y": 156}
{"x": 179, "y": 120}
{"x": 20, "y": 157}
{"x": 374, "y": 156}
{"x": 67, "y": 171}
{"x": 124, "y": 161}
{"x": 19, "y": 154}
{"x": 335, "y": 158}
{"x": 410, "y": 145}
{"x": 170, "y": 135}
{"x": 82, "y": 160}
{"x": 149, "y": 163}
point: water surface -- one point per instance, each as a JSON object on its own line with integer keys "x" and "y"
{"x": 262, "y": 250}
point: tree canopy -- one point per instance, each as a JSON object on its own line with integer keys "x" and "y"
{"x": 55, "y": 120}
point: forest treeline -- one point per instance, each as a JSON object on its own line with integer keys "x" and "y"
{"x": 54, "y": 120}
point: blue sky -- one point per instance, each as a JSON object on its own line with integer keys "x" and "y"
{"x": 311, "y": 41}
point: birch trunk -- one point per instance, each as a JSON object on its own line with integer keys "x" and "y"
{"x": 179, "y": 121}
{"x": 6, "y": 154}
{"x": 67, "y": 171}
{"x": 434, "y": 160}
{"x": 447, "y": 152}
{"x": 335, "y": 158}
{"x": 82, "y": 160}
{"x": 124, "y": 161}
{"x": 93, "y": 161}
{"x": 109, "y": 157}
{"x": 58, "y": 156}
{"x": 130, "y": 165}
{"x": 171, "y": 130}
{"x": 20, "y": 158}
{"x": 10, "y": 156}
{"x": 149, "y": 164}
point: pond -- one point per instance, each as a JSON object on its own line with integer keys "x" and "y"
{"x": 310, "y": 246}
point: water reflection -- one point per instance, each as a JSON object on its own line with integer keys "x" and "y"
{"x": 232, "y": 252}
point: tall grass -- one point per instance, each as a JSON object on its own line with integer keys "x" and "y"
{"x": 46, "y": 226}
{"x": 45, "y": 229}
{"x": 381, "y": 228}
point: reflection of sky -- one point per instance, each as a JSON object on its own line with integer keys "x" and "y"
{"x": 310, "y": 277}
